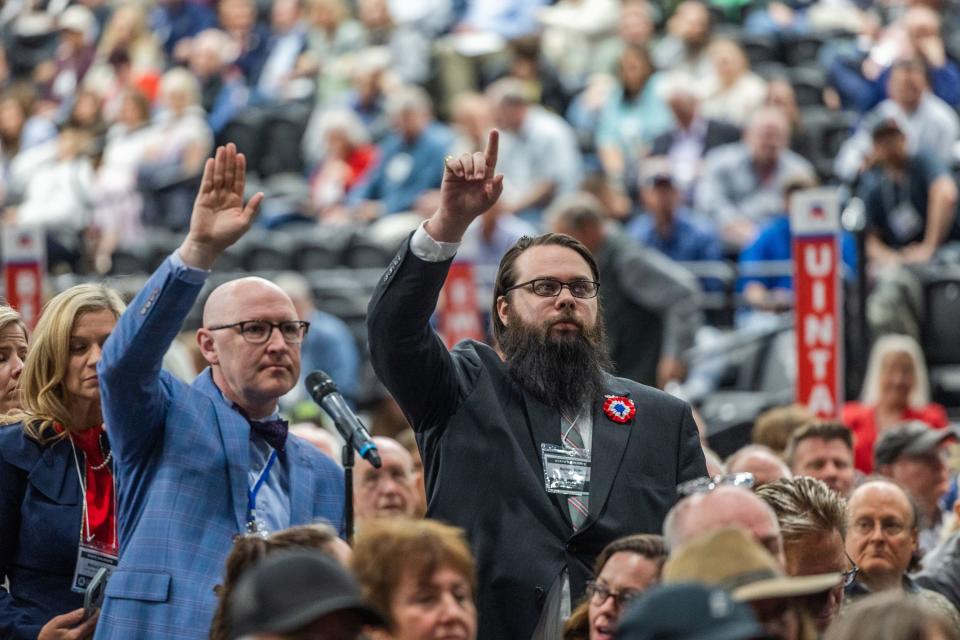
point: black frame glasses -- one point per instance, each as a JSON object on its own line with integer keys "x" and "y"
{"x": 544, "y": 287}
{"x": 850, "y": 575}
{"x": 600, "y": 592}
{"x": 293, "y": 331}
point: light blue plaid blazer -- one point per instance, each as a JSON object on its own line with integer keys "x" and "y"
{"x": 181, "y": 467}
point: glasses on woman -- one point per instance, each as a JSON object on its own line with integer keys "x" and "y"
{"x": 259, "y": 331}
{"x": 599, "y": 592}
{"x": 706, "y": 485}
{"x": 551, "y": 287}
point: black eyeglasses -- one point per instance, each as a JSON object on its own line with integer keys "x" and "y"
{"x": 600, "y": 592}
{"x": 259, "y": 331}
{"x": 551, "y": 287}
{"x": 850, "y": 574}
{"x": 706, "y": 485}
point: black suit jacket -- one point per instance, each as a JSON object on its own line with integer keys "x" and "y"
{"x": 480, "y": 436}
{"x": 718, "y": 133}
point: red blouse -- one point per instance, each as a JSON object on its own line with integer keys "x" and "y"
{"x": 101, "y": 504}
{"x": 862, "y": 420}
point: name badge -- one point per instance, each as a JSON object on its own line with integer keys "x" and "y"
{"x": 566, "y": 471}
{"x": 90, "y": 559}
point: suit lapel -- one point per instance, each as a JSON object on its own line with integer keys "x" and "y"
{"x": 544, "y": 424}
{"x": 609, "y": 443}
{"x": 52, "y": 472}
{"x": 235, "y": 435}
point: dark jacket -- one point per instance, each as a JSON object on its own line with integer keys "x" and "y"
{"x": 480, "y": 436}
{"x": 718, "y": 133}
{"x": 40, "y": 513}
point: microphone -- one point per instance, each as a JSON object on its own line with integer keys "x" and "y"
{"x": 323, "y": 390}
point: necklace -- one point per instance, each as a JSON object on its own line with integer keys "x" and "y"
{"x": 106, "y": 461}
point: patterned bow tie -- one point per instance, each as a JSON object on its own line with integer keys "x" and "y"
{"x": 273, "y": 432}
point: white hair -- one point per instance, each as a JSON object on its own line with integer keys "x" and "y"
{"x": 920, "y": 394}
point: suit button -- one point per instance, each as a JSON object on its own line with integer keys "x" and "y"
{"x": 541, "y": 594}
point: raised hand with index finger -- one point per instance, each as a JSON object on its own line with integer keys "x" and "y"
{"x": 470, "y": 187}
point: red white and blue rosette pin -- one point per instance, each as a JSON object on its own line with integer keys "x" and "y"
{"x": 619, "y": 409}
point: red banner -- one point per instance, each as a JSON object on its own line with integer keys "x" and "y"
{"x": 818, "y": 310}
{"x": 24, "y": 262}
{"x": 459, "y": 315}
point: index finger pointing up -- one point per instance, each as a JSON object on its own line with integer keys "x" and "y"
{"x": 492, "y": 150}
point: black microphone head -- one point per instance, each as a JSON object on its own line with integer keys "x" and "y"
{"x": 319, "y": 384}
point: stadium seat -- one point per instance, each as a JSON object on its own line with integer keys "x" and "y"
{"x": 364, "y": 253}
{"x": 808, "y": 84}
{"x": 761, "y": 49}
{"x": 266, "y": 251}
{"x": 319, "y": 249}
{"x": 802, "y": 49}
{"x": 282, "y": 135}
{"x": 245, "y": 130}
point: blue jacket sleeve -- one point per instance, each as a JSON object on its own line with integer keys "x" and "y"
{"x": 13, "y": 623}
{"x": 132, "y": 397}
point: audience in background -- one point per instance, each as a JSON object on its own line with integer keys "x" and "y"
{"x": 823, "y": 451}
{"x": 882, "y": 532}
{"x": 624, "y": 569}
{"x": 890, "y": 616}
{"x": 914, "y": 455}
{"x": 765, "y": 465}
{"x": 396, "y": 561}
{"x": 774, "y": 426}
{"x": 813, "y": 525}
{"x": 724, "y": 506}
{"x": 895, "y": 389}
{"x": 387, "y": 492}
{"x": 248, "y": 551}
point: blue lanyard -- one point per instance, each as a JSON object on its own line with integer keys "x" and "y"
{"x": 255, "y": 489}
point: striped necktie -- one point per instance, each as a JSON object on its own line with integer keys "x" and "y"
{"x": 579, "y": 505}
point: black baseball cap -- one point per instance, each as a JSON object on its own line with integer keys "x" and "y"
{"x": 292, "y": 589}
{"x": 909, "y": 439}
{"x": 688, "y": 611}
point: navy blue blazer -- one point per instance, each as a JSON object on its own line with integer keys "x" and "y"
{"x": 40, "y": 513}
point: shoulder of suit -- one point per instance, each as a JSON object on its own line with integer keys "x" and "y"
{"x": 16, "y": 448}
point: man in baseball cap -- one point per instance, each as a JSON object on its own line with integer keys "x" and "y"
{"x": 299, "y": 594}
{"x": 688, "y": 611}
{"x": 913, "y": 455}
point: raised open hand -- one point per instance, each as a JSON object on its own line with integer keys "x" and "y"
{"x": 219, "y": 216}
{"x": 470, "y": 184}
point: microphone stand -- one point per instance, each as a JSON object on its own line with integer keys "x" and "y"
{"x": 347, "y": 458}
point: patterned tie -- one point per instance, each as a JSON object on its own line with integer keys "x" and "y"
{"x": 273, "y": 432}
{"x": 579, "y": 505}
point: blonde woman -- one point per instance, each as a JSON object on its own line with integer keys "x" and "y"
{"x": 56, "y": 480}
{"x": 13, "y": 351}
{"x": 895, "y": 390}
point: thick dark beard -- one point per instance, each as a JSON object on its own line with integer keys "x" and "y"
{"x": 564, "y": 371}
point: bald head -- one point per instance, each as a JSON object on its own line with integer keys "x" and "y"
{"x": 725, "y": 506}
{"x": 387, "y": 492}
{"x": 251, "y": 369}
{"x": 229, "y": 299}
{"x": 762, "y": 462}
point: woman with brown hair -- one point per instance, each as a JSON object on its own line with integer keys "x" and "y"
{"x": 421, "y": 575}
{"x": 250, "y": 549}
{"x": 57, "y": 492}
{"x": 625, "y": 568}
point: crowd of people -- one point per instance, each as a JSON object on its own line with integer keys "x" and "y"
{"x": 537, "y": 484}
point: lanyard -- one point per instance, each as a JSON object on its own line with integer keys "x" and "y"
{"x": 255, "y": 489}
{"x": 88, "y": 537}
